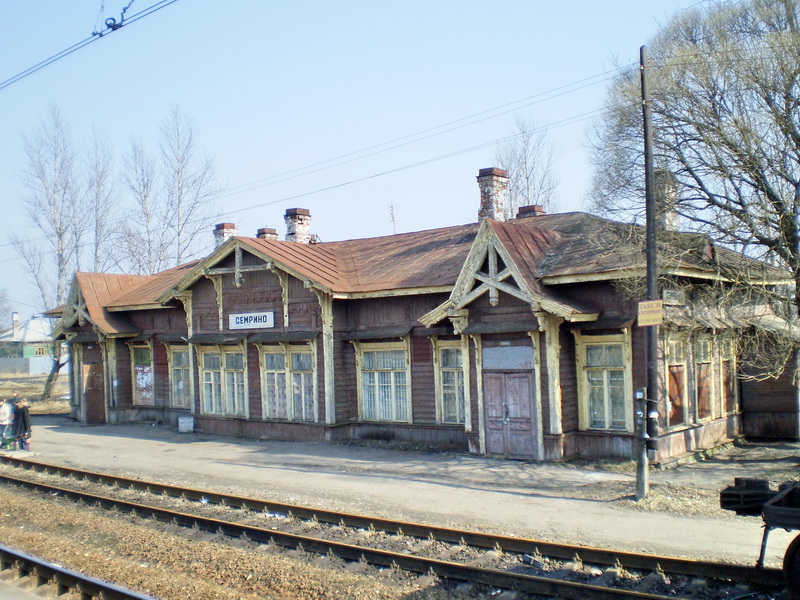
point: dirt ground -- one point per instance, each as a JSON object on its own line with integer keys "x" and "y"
{"x": 559, "y": 502}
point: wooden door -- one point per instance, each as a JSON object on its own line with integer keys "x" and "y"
{"x": 510, "y": 424}
{"x": 94, "y": 397}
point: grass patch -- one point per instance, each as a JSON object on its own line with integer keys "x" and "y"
{"x": 32, "y": 387}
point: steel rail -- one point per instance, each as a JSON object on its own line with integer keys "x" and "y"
{"x": 548, "y": 586}
{"x": 63, "y": 580}
{"x": 587, "y": 554}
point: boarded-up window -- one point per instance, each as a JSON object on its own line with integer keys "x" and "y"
{"x": 384, "y": 386}
{"x": 143, "y": 376}
{"x": 703, "y": 378}
{"x": 180, "y": 383}
{"x": 676, "y": 361}
{"x": 288, "y": 375}
{"x": 605, "y": 378}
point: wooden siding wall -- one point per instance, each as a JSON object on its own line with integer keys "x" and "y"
{"x": 423, "y": 387}
{"x": 769, "y": 407}
{"x": 544, "y": 391}
{"x": 254, "y": 382}
{"x": 124, "y": 376}
{"x": 161, "y": 390}
{"x": 569, "y": 383}
{"x": 205, "y": 317}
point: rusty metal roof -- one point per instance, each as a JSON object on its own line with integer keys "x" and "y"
{"x": 422, "y": 259}
{"x": 545, "y": 248}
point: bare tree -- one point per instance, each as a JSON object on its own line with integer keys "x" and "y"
{"x": 725, "y": 86}
{"x": 189, "y": 182}
{"x": 5, "y": 310}
{"x": 51, "y": 203}
{"x": 144, "y": 231}
{"x": 100, "y": 205}
{"x": 528, "y": 155}
{"x": 55, "y": 211}
{"x": 172, "y": 198}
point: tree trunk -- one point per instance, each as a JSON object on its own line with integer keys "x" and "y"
{"x": 52, "y": 378}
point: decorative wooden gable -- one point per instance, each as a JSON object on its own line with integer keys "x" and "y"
{"x": 488, "y": 269}
{"x": 492, "y": 267}
{"x": 75, "y": 310}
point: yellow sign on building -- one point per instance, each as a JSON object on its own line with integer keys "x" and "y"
{"x": 651, "y": 312}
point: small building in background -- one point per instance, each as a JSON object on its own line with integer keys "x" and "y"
{"x": 26, "y": 348}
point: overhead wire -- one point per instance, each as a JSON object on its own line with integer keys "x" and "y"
{"x": 84, "y": 42}
{"x": 406, "y": 140}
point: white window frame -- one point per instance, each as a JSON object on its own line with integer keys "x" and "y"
{"x": 462, "y": 346}
{"x": 288, "y": 386}
{"x": 584, "y": 342}
{"x": 221, "y": 404}
{"x": 361, "y": 350}
{"x": 174, "y": 400}
{"x": 136, "y": 400}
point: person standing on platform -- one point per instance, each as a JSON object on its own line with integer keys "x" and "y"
{"x": 22, "y": 425}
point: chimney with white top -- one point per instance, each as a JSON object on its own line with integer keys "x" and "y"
{"x": 223, "y": 232}
{"x": 15, "y": 323}
{"x": 298, "y": 224}
{"x": 267, "y": 233}
{"x": 493, "y": 183}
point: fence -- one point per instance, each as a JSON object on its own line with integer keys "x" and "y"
{"x": 37, "y": 365}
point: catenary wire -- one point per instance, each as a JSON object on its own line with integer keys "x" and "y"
{"x": 83, "y": 43}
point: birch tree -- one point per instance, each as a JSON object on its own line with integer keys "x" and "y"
{"x": 527, "y": 156}
{"x": 173, "y": 197}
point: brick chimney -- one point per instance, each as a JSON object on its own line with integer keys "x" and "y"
{"x": 267, "y": 233}
{"x": 532, "y": 210}
{"x": 223, "y": 232}
{"x": 15, "y": 323}
{"x": 493, "y": 183}
{"x": 298, "y": 223}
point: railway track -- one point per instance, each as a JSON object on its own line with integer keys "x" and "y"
{"x": 530, "y": 566}
{"x": 47, "y": 580}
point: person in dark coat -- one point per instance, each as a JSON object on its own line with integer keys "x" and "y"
{"x": 22, "y": 425}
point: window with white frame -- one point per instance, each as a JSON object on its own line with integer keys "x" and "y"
{"x": 223, "y": 380}
{"x": 604, "y": 371}
{"x": 702, "y": 372}
{"x": 288, "y": 383}
{"x": 677, "y": 407}
{"x": 384, "y": 382}
{"x": 180, "y": 384}
{"x": 235, "y": 398}
{"x": 450, "y": 393}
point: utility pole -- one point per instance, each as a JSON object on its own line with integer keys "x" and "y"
{"x": 647, "y": 440}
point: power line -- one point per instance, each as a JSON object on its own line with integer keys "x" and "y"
{"x": 562, "y": 123}
{"x": 85, "y": 42}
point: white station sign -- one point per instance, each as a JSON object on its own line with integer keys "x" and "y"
{"x": 251, "y": 320}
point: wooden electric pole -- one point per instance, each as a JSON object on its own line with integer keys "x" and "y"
{"x": 647, "y": 439}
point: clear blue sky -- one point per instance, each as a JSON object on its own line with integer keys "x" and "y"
{"x": 276, "y": 86}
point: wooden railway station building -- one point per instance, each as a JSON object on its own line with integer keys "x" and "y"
{"x": 501, "y": 337}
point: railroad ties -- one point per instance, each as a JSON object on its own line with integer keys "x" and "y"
{"x": 466, "y": 558}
